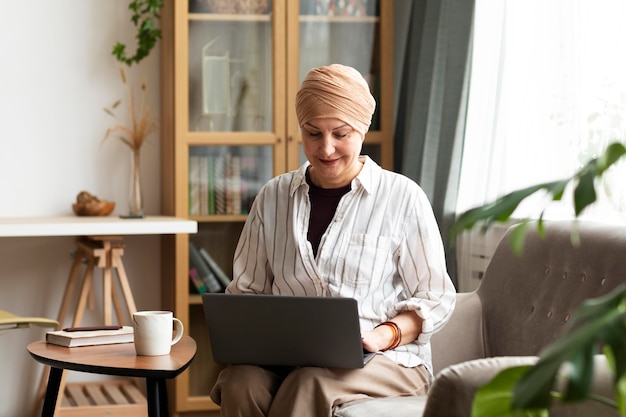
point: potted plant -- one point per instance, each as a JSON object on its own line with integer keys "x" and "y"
{"x": 529, "y": 390}
{"x": 145, "y": 17}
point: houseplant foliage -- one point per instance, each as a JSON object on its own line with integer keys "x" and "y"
{"x": 598, "y": 326}
{"x": 583, "y": 181}
{"x": 145, "y": 17}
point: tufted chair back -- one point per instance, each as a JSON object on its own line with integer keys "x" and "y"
{"x": 527, "y": 299}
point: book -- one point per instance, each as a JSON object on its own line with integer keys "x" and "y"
{"x": 204, "y": 272}
{"x": 197, "y": 283}
{"x": 90, "y": 337}
{"x": 219, "y": 184}
{"x": 219, "y": 273}
{"x": 204, "y": 185}
{"x": 194, "y": 185}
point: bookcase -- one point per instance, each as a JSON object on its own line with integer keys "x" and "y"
{"x": 230, "y": 73}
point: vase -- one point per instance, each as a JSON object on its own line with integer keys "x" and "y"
{"x": 135, "y": 198}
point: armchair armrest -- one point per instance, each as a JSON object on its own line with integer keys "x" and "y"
{"x": 453, "y": 391}
{"x": 461, "y": 381}
{"x": 465, "y": 328}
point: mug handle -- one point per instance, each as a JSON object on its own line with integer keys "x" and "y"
{"x": 178, "y": 326}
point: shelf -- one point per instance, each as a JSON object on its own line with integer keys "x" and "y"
{"x": 195, "y": 299}
{"x": 339, "y": 19}
{"x": 222, "y": 17}
{"x": 220, "y": 218}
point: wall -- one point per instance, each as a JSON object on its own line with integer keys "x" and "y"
{"x": 56, "y": 75}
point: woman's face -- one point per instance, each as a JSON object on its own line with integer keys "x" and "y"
{"x": 332, "y": 147}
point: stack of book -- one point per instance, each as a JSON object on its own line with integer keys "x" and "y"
{"x": 221, "y": 184}
{"x": 204, "y": 273}
{"x": 90, "y": 336}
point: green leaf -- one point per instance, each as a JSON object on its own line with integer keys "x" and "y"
{"x": 517, "y": 237}
{"x": 585, "y": 192}
{"x": 611, "y": 155}
{"x": 580, "y": 375}
{"x": 494, "y": 398}
{"x": 558, "y": 188}
{"x": 621, "y": 395}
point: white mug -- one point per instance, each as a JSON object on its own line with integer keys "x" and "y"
{"x": 153, "y": 332}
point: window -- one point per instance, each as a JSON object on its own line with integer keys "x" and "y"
{"x": 547, "y": 93}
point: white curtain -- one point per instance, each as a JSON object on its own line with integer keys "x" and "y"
{"x": 547, "y": 93}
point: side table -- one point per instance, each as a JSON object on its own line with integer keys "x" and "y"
{"x": 117, "y": 360}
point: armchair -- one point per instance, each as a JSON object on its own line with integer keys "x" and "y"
{"x": 520, "y": 307}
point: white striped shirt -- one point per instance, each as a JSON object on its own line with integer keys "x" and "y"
{"x": 382, "y": 247}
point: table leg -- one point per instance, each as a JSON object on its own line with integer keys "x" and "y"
{"x": 157, "y": 397}
{"x": 52, "y": 392}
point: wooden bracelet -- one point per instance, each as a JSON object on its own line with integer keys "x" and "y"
{"x": 397, "y": 335}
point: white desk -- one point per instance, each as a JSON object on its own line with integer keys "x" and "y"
{"x": 94, "y": 226}
{"x": 99, "y": 244}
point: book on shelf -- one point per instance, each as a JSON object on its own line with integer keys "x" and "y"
{"x": 215, "y": 268}
{"x": 204, "y": 272}
{"x": 204, "y": 185}
{"x": 219, "y": 184}
{"x": 196, "y": 282}
{"x": 86, "y": 336}
{"x": 194, "y": 185}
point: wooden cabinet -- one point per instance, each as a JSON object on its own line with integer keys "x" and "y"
{"x": 230, "y": 73}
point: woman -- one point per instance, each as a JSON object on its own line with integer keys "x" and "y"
{"x": 341, "y": 226}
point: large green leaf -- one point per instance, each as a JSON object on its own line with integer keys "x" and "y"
{"x": 585, "y": 192}
{"x": 613, "y": 153}
{"x": 494, "y": 398}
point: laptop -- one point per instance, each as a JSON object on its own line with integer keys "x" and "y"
{"x": 279, "y": 330}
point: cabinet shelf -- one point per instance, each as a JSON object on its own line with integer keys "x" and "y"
{"x": 339, "y": 19}
{"x": 223, "y": 17}
{"x": 232, "y": 138}
{"x": 220, "y": 218}
{"x": 195, "y": 299}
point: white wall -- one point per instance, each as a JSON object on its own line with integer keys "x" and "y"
{"x": 56, "y": 75}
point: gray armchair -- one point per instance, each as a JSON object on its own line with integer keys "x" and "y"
{"x": 520, "y": 307}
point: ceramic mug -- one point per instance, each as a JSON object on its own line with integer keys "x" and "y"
{"x": 153, "y": 332}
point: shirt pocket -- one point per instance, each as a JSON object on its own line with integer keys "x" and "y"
{"x": 363, "y": 259}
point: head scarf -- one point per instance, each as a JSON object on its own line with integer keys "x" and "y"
{"x": 336, "y": 91}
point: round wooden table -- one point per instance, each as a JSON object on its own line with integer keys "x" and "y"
{"x": 118, "y": 360}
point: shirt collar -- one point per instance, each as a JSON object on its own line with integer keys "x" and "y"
{"x": 365, "y": 179}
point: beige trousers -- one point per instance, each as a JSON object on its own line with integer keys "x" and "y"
{"x": 253, "y": 391}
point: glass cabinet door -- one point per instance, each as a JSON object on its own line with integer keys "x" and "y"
{"x": 230, "y": 66}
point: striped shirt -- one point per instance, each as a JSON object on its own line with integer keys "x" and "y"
{"x": 382, "y": 247}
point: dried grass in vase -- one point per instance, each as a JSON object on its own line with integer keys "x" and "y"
{"x": 141, "y": 123}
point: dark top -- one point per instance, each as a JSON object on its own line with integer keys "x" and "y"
{"x": 324, "y": 202}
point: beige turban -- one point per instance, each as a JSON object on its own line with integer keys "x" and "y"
{"x": 336, "y": 91}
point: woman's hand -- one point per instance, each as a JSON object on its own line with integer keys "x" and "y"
{"x": 379, "y": 338}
